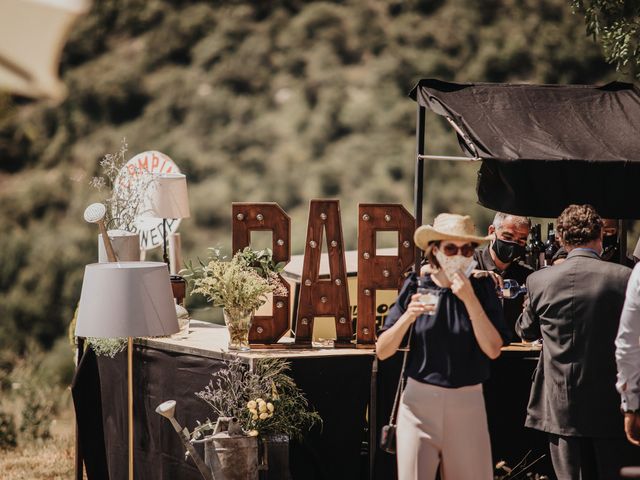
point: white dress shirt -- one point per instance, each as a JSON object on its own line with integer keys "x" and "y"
{"x": 628, "y": 346}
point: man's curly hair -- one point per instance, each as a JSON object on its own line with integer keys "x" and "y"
{"x": 579, "y": 224}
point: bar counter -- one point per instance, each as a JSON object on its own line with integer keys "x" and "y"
{"x": 339, "y": 382}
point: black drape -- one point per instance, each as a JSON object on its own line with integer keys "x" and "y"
{"x": 337, "y": 387}
{"x": 544, "y": 147}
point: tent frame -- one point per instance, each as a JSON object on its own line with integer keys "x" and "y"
{"x": 418, "y": 191}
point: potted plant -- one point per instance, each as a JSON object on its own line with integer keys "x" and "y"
{"x": 267, "y": 403}
{"x": 126, "y": 191}
{"x": 240, "y": 286}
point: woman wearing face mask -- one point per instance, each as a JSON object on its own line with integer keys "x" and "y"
{"x": 441, "y": 417}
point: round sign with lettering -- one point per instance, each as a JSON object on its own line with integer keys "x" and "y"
{"x": 150, "y": 228}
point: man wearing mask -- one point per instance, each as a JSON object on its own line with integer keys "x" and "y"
{"x": 502, "y": 258}
{"x": 611, "y": 243}
{"x": 575, "y": 308}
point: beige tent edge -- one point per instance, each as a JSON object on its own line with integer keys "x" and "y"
{"x": 32, "y": 36}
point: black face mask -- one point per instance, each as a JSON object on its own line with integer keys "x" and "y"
{"x": 507, "y": 252}
{"x": 609, "y": 246}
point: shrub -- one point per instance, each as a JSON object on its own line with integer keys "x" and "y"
{"x": 8, "y": 437}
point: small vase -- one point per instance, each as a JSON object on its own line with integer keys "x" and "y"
{"x": 126, "y": 246}
{"x": 238, "y": 323}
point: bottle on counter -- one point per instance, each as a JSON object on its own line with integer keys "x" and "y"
{"x": 540, "y": 248}
{"x": 510, "y": 289}
{"x": 535, "y": 248}
{"x": 551, "y": 245}
{"x": 530, "y": 255}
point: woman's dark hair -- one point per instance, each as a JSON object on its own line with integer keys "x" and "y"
{"x": 579, "y": 224}
{"x": 430, "y": 256}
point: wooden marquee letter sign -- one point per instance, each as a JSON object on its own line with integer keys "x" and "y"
{"x": 324, "y": 297}
{"x": 380, "y": 272}
{"x": 248, "y": 217}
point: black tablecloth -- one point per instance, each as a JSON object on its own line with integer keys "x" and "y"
{"x": 338, "y": 387}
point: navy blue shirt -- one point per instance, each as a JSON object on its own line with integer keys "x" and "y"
{"x": 444, "y": 351}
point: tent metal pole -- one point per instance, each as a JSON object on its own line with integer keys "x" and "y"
{"x": 445, "y": 157}
{"x": 419, "y": 176}
{"x": 622, "y": 238}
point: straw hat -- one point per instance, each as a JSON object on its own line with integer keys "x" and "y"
{"x": 448, "y": 226}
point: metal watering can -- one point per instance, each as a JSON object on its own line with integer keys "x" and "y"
{"x": 228, "y": 453}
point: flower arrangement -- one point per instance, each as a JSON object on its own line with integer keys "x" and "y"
{"x": 127, "y": 190}
{"x": 240, "y": 286}
{"x": 232, "y": 284}
{"x": 265, "y": 399}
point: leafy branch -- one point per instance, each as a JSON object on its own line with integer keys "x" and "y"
{"x": 240, "y": 284}
{"x": 616, "y": 24}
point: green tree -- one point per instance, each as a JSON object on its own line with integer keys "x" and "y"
{"x": 616, "y": 25}
{"x": 279, "y": 101}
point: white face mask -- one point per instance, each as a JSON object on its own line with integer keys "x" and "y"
{"x": 450, "y": 265}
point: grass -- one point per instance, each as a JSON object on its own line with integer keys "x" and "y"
{"x": 51, "y": 459}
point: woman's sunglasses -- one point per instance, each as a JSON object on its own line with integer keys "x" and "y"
{"x": 465, "y": 250}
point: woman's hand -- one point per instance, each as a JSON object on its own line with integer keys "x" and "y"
{"x": 428, "y": 269}
{"x": 417, "y": 308}
{"x": 632, "y": 427}
{"x": 461, "y": 287}
{"x": 497, "y": 279}
{"x": 389, "y": 341}
{"x": 486, "y": 334}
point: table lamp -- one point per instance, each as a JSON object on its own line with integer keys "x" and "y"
{"x": 168, "y": 199}
{"x": 126, "y": 299}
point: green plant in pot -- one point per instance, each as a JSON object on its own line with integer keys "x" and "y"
{"x": 239, "y": 285}
{"x": 125, "y": 189}
{"x": 237, "y": 391}
{"x": 267, "y": 403}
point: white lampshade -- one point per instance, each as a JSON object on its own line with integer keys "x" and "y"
{"x": 126, "y": 299}
{"x": 168, "y": 196}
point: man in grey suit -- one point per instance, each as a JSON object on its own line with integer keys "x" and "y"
{"x": 575, "y": 307}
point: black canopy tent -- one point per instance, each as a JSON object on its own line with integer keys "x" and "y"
{"x": 542, "y": 147}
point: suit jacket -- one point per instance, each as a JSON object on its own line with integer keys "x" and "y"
{"x": 575, "y": 308}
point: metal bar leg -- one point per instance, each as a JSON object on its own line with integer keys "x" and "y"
{"x": 419, "y": 176}
{"x": 373, "y": 418}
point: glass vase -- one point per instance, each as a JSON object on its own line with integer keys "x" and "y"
{"x": 238, "y": 324}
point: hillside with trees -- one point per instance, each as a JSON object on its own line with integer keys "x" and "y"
{"x": 280, "y": 101}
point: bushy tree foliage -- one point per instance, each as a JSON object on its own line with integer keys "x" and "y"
{"x": 616, "y": 25}
{"x": 279, "y": 101}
